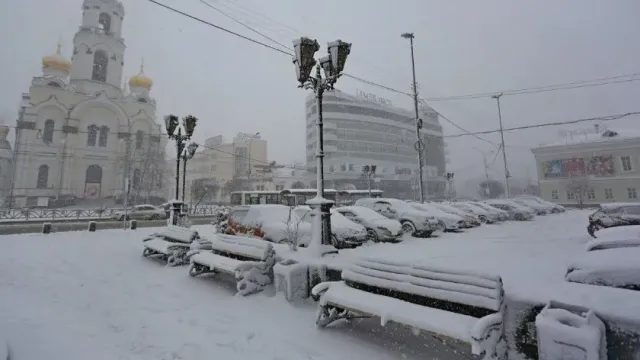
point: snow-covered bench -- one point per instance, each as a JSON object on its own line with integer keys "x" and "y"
{"x": 171, "y": 243}
{"x": 460, "y": 305}
{"x": 250, "y": 260}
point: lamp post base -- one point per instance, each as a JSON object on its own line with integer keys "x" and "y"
{"x": 321, "y": 239}
{"x": 176, "y": 212}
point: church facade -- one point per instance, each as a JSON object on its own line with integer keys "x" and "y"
{"x": 80, "y": 134}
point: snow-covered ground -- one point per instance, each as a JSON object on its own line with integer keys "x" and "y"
{"x": 92, "y": 296}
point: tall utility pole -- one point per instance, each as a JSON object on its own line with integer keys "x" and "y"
{"x": 486, "y": 167}
{"x": 419, "y": 145}
{"x": 504, "y": 149}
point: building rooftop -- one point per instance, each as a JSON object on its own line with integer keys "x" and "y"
{"x": 595, "y": 137}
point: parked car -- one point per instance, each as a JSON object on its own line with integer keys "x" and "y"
{"x": 612, "y": 215}
{"x": 379, "y": 228}
{"x": 284, "y": 224}
{"x": 141, "y": 212}
{"x": 516, "y": 211}
{"x": 446, "y": 221}
{"x": 553, "y": 208}
{"x": 469, "y": 219}
{"x": 616, "y": 237}
{"x": 537, "y": 207}
{"x": 414, "y": 222}
{"x": 614, "y": 267}
{"x": 482, "y": 214}
{"x": 500, "y": 214}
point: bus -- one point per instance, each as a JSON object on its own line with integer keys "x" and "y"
{"x": 295, "y": 197}
{"x": 348, "y": 197}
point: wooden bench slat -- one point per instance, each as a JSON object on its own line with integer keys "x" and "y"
{"x": 449, "y": 324}
{"x": 428, "y": 283}
{"x": 243, "y": 240}
{"x": 216, "y": 262}
{"x": 433, "y": 275}
{"x": 237, "y": 249}
{"x": 447, "y": 271}
{"x": 446, "y": 295}
{"x": 162, "y": 246}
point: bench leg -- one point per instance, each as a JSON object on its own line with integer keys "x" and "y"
{"x": 327, "y": 314}
{"x": 197, "y": 269}
{"x": 147, "y": 252}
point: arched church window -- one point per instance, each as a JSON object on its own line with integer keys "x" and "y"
{"x": 92, "y": 135}
{"x": 104, "y": 133}
{"x": 93, "y": 175}
{"x": 104, "y": 22}
{"x": 54, "y": 84}
{"x": 136, "y": 179}
{"x": 43, "y": 177}
{"x": 47, "y": 134}
{"x": 100, "y": 64}
{"x": 139, "y": 138}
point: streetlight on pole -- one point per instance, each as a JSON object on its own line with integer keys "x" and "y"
{"x": 332, "y": 65}
{"x": 180, "y": 133}
{"x": 504, "y": 150}
{"x": 369, "y": 171}
{"x": 256, "y": 135}
{"x": 449, "y": 177}
{"x": 419, "y": 144}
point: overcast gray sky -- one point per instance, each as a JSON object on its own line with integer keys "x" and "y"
{"x": 461, "y": 47}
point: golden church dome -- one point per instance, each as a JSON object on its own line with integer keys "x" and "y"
{"x": 57, "y": 61}
{"x": 141, "y": 80}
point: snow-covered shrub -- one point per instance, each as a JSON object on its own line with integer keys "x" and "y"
{"x": 253, "y": 276}
{"x": 292, "y": 230}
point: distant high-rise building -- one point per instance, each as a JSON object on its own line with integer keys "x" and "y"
{"x": 363, "y": 129}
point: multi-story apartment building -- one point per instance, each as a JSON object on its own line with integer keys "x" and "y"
{"x": 604, "y": 163}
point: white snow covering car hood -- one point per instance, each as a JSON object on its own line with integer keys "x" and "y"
{"x": 390, "y": 225}
{"x": 616, "y": 237}
{"x": 611, "y": 267}
{"x": 343, "y": 227}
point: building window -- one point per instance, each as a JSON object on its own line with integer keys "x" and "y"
{"x": 93, "y": 175}
{"x": 139, "y": 137}
{"x": 47, "y": 135}
{"x": 591, "y": 194}
{"x": 626, "y": 163}
{"x": 554, "y": 194}
{"x": 104, "y": 22}
{"x": 571, "y": 195}
{"x": 631, "y": 192}
{"x": 100, "y": 64}
{"x": 92, "y": 135}
{"x": 43, "y": 177}
{"x": 608, "y": 194}
{"x": 104, "y": 133}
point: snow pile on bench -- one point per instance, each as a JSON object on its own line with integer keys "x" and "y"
{"x": 457, "y": 304}
{"x": 250, "y": 260}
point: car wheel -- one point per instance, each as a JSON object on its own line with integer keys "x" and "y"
{"x": 408, "y": 227}
{"x": 334, "y": 241}
{"x": 519, "y": 217}
{"x": 441, "y": 226}
{"x": 372, "y": 235}
{"x": 155, "y": 217}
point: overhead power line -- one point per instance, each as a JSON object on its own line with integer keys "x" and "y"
{"x": 557, "y": 123}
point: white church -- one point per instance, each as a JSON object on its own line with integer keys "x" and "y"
{"x": 80, "y": 133}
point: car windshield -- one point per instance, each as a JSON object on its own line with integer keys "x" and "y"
{"x": 368, "y": 214}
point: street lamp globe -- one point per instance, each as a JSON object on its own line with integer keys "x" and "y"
{"x": 327, "y": 66}
{"x": 339, "y": 51}
{"x": 189, "y": 123}
{"x": 304, "y": 48}
{"x": 171, "y": 123}
{"x": 191, "y": 150}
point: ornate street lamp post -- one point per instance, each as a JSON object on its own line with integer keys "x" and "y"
{"x": 332, "y": 65}
{"x": 181, "y": 133}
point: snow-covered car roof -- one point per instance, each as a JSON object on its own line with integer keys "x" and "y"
{"x": 616, "y": 237}
{"x": 612, "y": 267}
{"x": 617, "y": 205}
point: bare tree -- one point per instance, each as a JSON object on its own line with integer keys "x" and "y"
{"x": 292, "y": 229}
{"x": 579, "y": 187}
